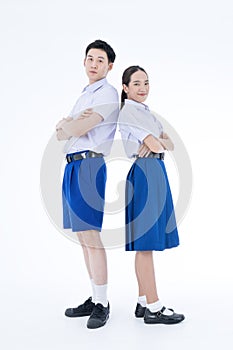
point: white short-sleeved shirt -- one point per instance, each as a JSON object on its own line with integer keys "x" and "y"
{"x": 135, "y": 123}
{"x": 103, "y": 99}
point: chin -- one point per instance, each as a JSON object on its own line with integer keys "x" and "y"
{"x": 142, "y": 100}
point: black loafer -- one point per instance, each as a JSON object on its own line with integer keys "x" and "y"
{"x": 99, "y": 316}
{"x": 84, "y": 309}
{"x": 159, "y": 317}
{"x": 140, "y": 311}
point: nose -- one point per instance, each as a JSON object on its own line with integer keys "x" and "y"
{"x": 142, "y": 89}
{"x": 94, "y": 64}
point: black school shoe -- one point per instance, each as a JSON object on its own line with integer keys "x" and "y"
{"x": 159, "y": 317}
{"x": 99, "y": 316}
{"x": 140, "y": 311}
{"x": 84, "y": 309}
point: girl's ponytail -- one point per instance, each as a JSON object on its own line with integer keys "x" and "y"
{"x": 123, "y": 97}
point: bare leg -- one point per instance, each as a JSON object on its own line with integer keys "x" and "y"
{"x": 85, "y": 253}
{"x": 141, "y": 290}
{"x": 94, "y": 255}
{"x": 144, "y": 268}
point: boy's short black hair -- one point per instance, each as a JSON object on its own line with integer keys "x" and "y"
{"x": 102, "y": 45}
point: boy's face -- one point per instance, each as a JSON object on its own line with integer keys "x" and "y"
{"x": 97, "y": 65}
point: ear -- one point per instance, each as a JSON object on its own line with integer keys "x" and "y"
{"x": 125, "y": 88}
{"x": 110, "y": 66}
{"x": 84, "y": 61}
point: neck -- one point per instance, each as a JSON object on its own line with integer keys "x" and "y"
{"x": 95, "y": 81}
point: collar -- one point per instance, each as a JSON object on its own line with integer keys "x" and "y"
{"x": 95, "y": 86}
{"x": 138, "y": 104}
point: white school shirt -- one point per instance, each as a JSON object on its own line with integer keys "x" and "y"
{"x": 135, "y": 123}
{"x": 103, "y": 99}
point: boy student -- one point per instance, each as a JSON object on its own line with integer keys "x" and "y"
{"x": 90, "y": 130}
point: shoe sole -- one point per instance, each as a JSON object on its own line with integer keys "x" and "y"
{"x": 163, "y": 322}
{"x": 78, "y": 315}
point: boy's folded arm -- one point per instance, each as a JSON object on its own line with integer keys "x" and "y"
{"x": 81, "y": 125}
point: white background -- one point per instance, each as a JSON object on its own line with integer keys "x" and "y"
{"x": 186, "y": 47}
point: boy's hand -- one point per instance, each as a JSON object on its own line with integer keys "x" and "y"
{"x": 86, "y": 114}
{"x": 61, "y": 122}
{"x": 61, "y": 135}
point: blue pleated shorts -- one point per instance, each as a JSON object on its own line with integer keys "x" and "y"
{"x": 83, "y": 194}
{"x": 150, "y": 217}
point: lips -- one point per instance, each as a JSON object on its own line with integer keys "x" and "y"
{"x": 92, "y": 72}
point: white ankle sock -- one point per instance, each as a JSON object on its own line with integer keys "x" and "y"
{"x": 142, "y": 300}
{"x": 167, "y": 312}
{"x": 157, "y": 306}
{"x": 93, "y": 290}
{"x": 101, "y": 294}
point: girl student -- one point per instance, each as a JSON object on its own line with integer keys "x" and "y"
{"x": 150, "y": 218}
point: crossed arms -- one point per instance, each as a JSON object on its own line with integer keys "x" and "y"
{"x": 152, "y": 144}
{"x": 68, "y": 127}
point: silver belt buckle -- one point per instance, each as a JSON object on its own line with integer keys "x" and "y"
{"x": 91, "y": 154}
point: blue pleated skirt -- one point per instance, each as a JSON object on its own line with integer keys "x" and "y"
{"x": 150, "y": 217}
{"x": 83, "y": 194}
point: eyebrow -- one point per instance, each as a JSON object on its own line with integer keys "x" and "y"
{"x": 138, "y": 81}
{"x": 98, "y": 56}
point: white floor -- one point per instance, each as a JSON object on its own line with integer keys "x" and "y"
{"x": 33, "y": 304}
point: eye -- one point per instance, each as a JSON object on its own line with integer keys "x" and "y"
{"x": 100, "y": 61}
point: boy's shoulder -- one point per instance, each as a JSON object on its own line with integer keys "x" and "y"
{"x": 108, "y": 86}
{"x": 108, "y": 90}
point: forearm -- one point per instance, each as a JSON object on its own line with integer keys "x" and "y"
{"x": 166, "y": 142}
{"x": 153, "y": 144}
{"x": 80, "y": 126}
{"x": 74, "y": 128}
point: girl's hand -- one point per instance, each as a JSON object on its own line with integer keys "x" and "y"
{"x": 143, "y": 151}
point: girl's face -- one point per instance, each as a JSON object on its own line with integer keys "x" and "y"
{"x": 138, "y": 88}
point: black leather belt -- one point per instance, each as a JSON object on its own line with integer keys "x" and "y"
{"x": 77, "y": 156}
{"x": 153, "y": 155}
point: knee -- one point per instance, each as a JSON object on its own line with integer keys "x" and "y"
{"x": 92, "y": 239}
{"x": 144, "y": 253}
{"x": 80, "y": 236}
